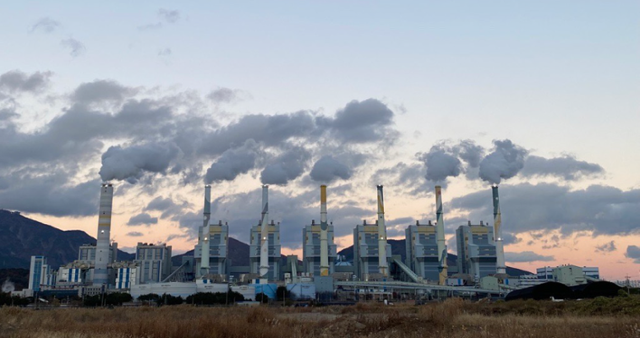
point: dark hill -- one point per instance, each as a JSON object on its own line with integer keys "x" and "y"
{"x": 22, "y": 238}
{"x": 398, "y": 248}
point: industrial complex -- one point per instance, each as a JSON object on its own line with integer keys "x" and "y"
{"x": 374, "y": 273}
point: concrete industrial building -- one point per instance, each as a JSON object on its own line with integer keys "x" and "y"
{"x": 311, "y": 249}
{"x": 426, "y": 251}
{"x": 39, "y": 271}
{"x": 87, "y": 253}
{"x": 154, "y": 262}
{"x": 264, "y": 256}
{"x": 476, "y": 250}
{"x": 371, "y": 252}
{"x": 422, "y": 250}
{"x": 318, "y": 250}
{"x": 212, "y": 238}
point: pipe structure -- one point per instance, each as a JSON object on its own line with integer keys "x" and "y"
{"x": 100, "y": 273}
{"x": 382, "y": 236}
{"x": 324, "y": 243}
{"x": 442, "y": 246}
{"x": 206, "y": 232}
{"x": 497, "y": 232}
{"x": 264, "y": 233}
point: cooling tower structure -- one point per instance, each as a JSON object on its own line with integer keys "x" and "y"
{"x": 501, "y": 268}
{"x": 318, "y": 249}
{"x": 442, "y": 246}
{"x": 382, "y": 236}
{"x": 265, "y": 244}
{"x": 100, "y": 274}
{"x": 210, "y": 253}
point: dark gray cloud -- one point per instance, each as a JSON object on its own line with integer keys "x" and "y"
{"x": 286, "y": 167}
{"x": 142, "y": 219}
{"x": 526, "y": 256}
{"x": 45, "y": 25}
{"x": 362, "y": 122}
{"x": 167, "y": 206}
{"x": 404, "y": 178}
{"x": 269, "y": 130}
{"x": 525, "y": 207}
{"x": 49, "y": 194}
{"x": 223, "y": 95}
{"x": 16, "y": 81}
{"x": 131, "y": 163}
{"x": 504, "y": 162}
{"x": 169, "y": 15}
{"x": 328, "y": 169}
{"x": 606, "y": 247}
{"x": 234, "y": 162}
{"x": 633, "y": 252}
{"x": 102, "y": 91}
{"x": 509, "y": 238}
{"x": 440, "y": 163}
{"x": 566, "y": 167}
{"x": 134, "y": 234}
{"x": 469, "y": 152}
{"x": 75, "y": 47}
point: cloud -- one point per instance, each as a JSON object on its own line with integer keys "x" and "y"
{"x": 75, "y": 47}
{"x": 404, "y": 178}
{"x": 328, "y": 169}
{"x": 633, "y": 252}
{"x": 506, "y": 160}
{"x": 469, "y": 152}
{"x": 233, "y": 162}
{"x": 223, "y": 95}
{"x": 526, "y": 256}
{"x": 45, "y": 25}
{"x": 134, "y": 234}
{"x": 51, "y": 194}
{"x": 16, "y": 81}
{"x": 362, "y": 122}
{"x": 606, "y": 247}
{"x": 166, "y": 206}
{"x": 525, "y": 207}
{"x": 169, "y": 16}
{"x": 101, "y": 91}
{"x": 286, "y": 167}
{"x": 131, "y": 163}
{"x": 142, "y": 219}
{"x": 440, "y": 163}
{"x": 566, "y": 167}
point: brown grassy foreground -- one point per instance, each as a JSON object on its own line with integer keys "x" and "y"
{"x": 453, "y": 318}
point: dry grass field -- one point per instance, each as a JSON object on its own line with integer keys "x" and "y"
{"x": 453, "y": 318}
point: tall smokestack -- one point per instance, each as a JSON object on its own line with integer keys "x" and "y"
{"x": 324, "y": 243}
{"x": 206, "y": 232}
{"x": 497, "y": 232}
{"x": 100, "y": 274}
{"x": 382, "y": 235}
{"x": 442, "y": 247}
{"x": 264, "y": 233}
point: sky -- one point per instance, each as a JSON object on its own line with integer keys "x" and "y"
{"x": 160, "y": 98}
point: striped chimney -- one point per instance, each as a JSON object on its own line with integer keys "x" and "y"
{"x": 264, "y": 233}
{"x": 497, "y": 232}
{"x": 442, "y": 246}
{"x": 382, "y": 235}
{"x": 324, "y": 243}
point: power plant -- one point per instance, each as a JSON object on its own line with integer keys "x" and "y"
{"x": 374, "y": 270}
